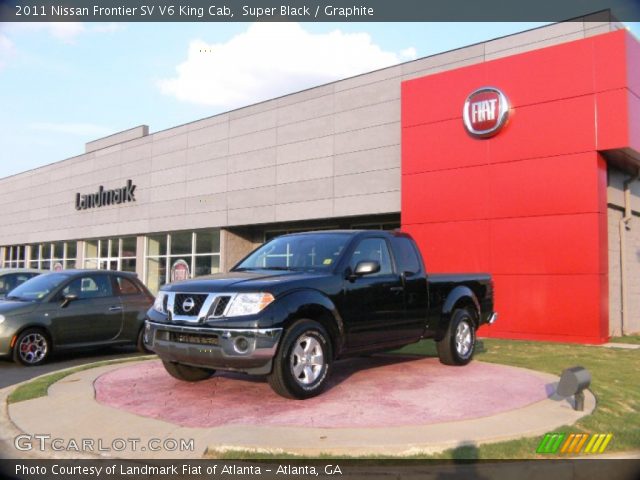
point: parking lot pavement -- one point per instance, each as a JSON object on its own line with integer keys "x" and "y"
{"x": 12, "y": 373}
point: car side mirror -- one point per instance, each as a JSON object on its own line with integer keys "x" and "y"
{"x": 67, "y": 299}
{"x": 366, "y": 267}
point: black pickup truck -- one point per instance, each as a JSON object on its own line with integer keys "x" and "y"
{"x": 299, "y": 302}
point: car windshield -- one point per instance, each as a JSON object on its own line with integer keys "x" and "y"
{"x": 318, "y": 252}
{"x": 37, "y": 288}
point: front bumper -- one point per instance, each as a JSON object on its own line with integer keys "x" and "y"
{"x": 7, "y": 333}
{"x": 249, "y": 350}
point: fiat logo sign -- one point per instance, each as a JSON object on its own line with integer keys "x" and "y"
{"x": 485, "y": 112}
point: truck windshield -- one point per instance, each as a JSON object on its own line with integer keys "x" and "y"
{"x": 318, "y": 252}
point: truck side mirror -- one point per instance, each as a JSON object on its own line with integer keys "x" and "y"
{"x": 366, "y": 267}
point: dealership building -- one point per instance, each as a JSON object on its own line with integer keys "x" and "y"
{"x": 518, "y": 157}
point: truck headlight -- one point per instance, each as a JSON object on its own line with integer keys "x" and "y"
{"x": 249, "y": 304}
{"x": 158, "y": 304}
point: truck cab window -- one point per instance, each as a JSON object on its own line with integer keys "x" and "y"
{"x": 406, "y": 256}
{"x": 373, "y": 249}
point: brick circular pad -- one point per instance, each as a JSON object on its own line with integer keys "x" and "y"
{"x": 377, "y": 391}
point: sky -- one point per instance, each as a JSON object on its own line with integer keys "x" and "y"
{"x": 64, "y": 84}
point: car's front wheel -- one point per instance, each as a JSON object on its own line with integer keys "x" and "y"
{"x": 187, "y": 373}
{"x": 303, "y": 363}
{"x": 32, "y": 347}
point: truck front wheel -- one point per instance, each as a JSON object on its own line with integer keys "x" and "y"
{"x": 187, "y": 373}
{"x": 302, "y": 365}
{"x": 459, "y": 343}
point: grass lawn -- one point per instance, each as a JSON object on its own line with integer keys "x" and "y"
{"x": 634, "y": 339}
{"x": 614, "y": 383}
{"x": 38, "y": 387}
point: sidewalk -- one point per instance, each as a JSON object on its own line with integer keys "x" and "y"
{"x": 71, "y": 413}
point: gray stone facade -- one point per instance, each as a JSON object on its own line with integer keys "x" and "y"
{"x": 615, "y": 199}
{"x": 327, "y": 152}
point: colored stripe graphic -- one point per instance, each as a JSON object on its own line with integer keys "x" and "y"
{"x": 581, "y": 443}
{"x": 550, "y": 443}
{"x": 590, "y": 444}
{"x": 606, "y": 442}
{"x": 567, "y": 443}
{"x": 573, "y": 443}
{"x": 598, "y": 443}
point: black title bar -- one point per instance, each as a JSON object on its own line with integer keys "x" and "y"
{"x": 316, "y": 10}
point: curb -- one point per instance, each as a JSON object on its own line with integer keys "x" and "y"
{"x": 383, "y": 441}
{"x": 9, "y": 430}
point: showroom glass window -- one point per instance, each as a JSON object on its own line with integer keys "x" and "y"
{"x": 43, "y": 256}
{"x": 175, "y": 256}
{"x": 111, "y": 254}
{"x": 15, "y": 256}
{"x": 53, "y": 256}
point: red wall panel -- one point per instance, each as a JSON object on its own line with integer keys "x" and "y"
{"x": 428, "y": 147}
{"x": 634, "y": 122}
{"x": 529, "y": 204}
{"x": 609, "y": 62}
{"x": 443, "y": 196}
{"x": 553, "y": 307}
{"x": 560, "y": 184}
{"x": 453, "y": 246}
{"x": 633, "y": 64}
{"x": 422, "y": 98}
{"x": 546, "y": 129}
{"x": 551, "y": 244}
{"x": 613, "y": 111}
{"x": 545, "y": 75}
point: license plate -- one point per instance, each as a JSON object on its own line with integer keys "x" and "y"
{"x": 194, "y": 339}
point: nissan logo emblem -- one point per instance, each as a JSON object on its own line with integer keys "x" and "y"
{"x": 188, "y": 304}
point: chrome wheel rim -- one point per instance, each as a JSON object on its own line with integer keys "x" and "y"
{"x": 33, "y": 348}
{"x": 307, "y": 360}
{"x": 464, "y": 339}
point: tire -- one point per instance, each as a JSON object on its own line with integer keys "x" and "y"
{"x": 141, "y": 347}
{"x": 303, "y": 362}
{"x": 187, "y": 373}
{"x": 459, "y": 343}
{"x": 32, "y": 347}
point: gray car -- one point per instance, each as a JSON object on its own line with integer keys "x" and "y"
{"x": 72, "y": 309}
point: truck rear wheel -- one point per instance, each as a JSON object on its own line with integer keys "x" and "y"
{"x": 459, "y": 343}
{"x": 187, "y": 373}
{"x": 302, "y": 365}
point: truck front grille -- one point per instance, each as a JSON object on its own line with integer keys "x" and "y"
{"x": 188, "y": 304}
{"x": 221, "y": 305}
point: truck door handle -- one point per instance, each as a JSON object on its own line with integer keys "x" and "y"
{"x": 115, "y": 309}
{"x": 397, "y": 289}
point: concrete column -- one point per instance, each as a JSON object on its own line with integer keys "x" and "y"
{"x": 2, "y": 252}
{"x": 140, "y": 246}
{"x": 27, "y": 256}
{"x": 235, "y": 244}
{"x": 79, "y": 254}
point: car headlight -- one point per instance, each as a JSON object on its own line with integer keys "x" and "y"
{"x": 249, "y": 304}
{"x": 1, "y": 319}
{"x": 158, "y": 304}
